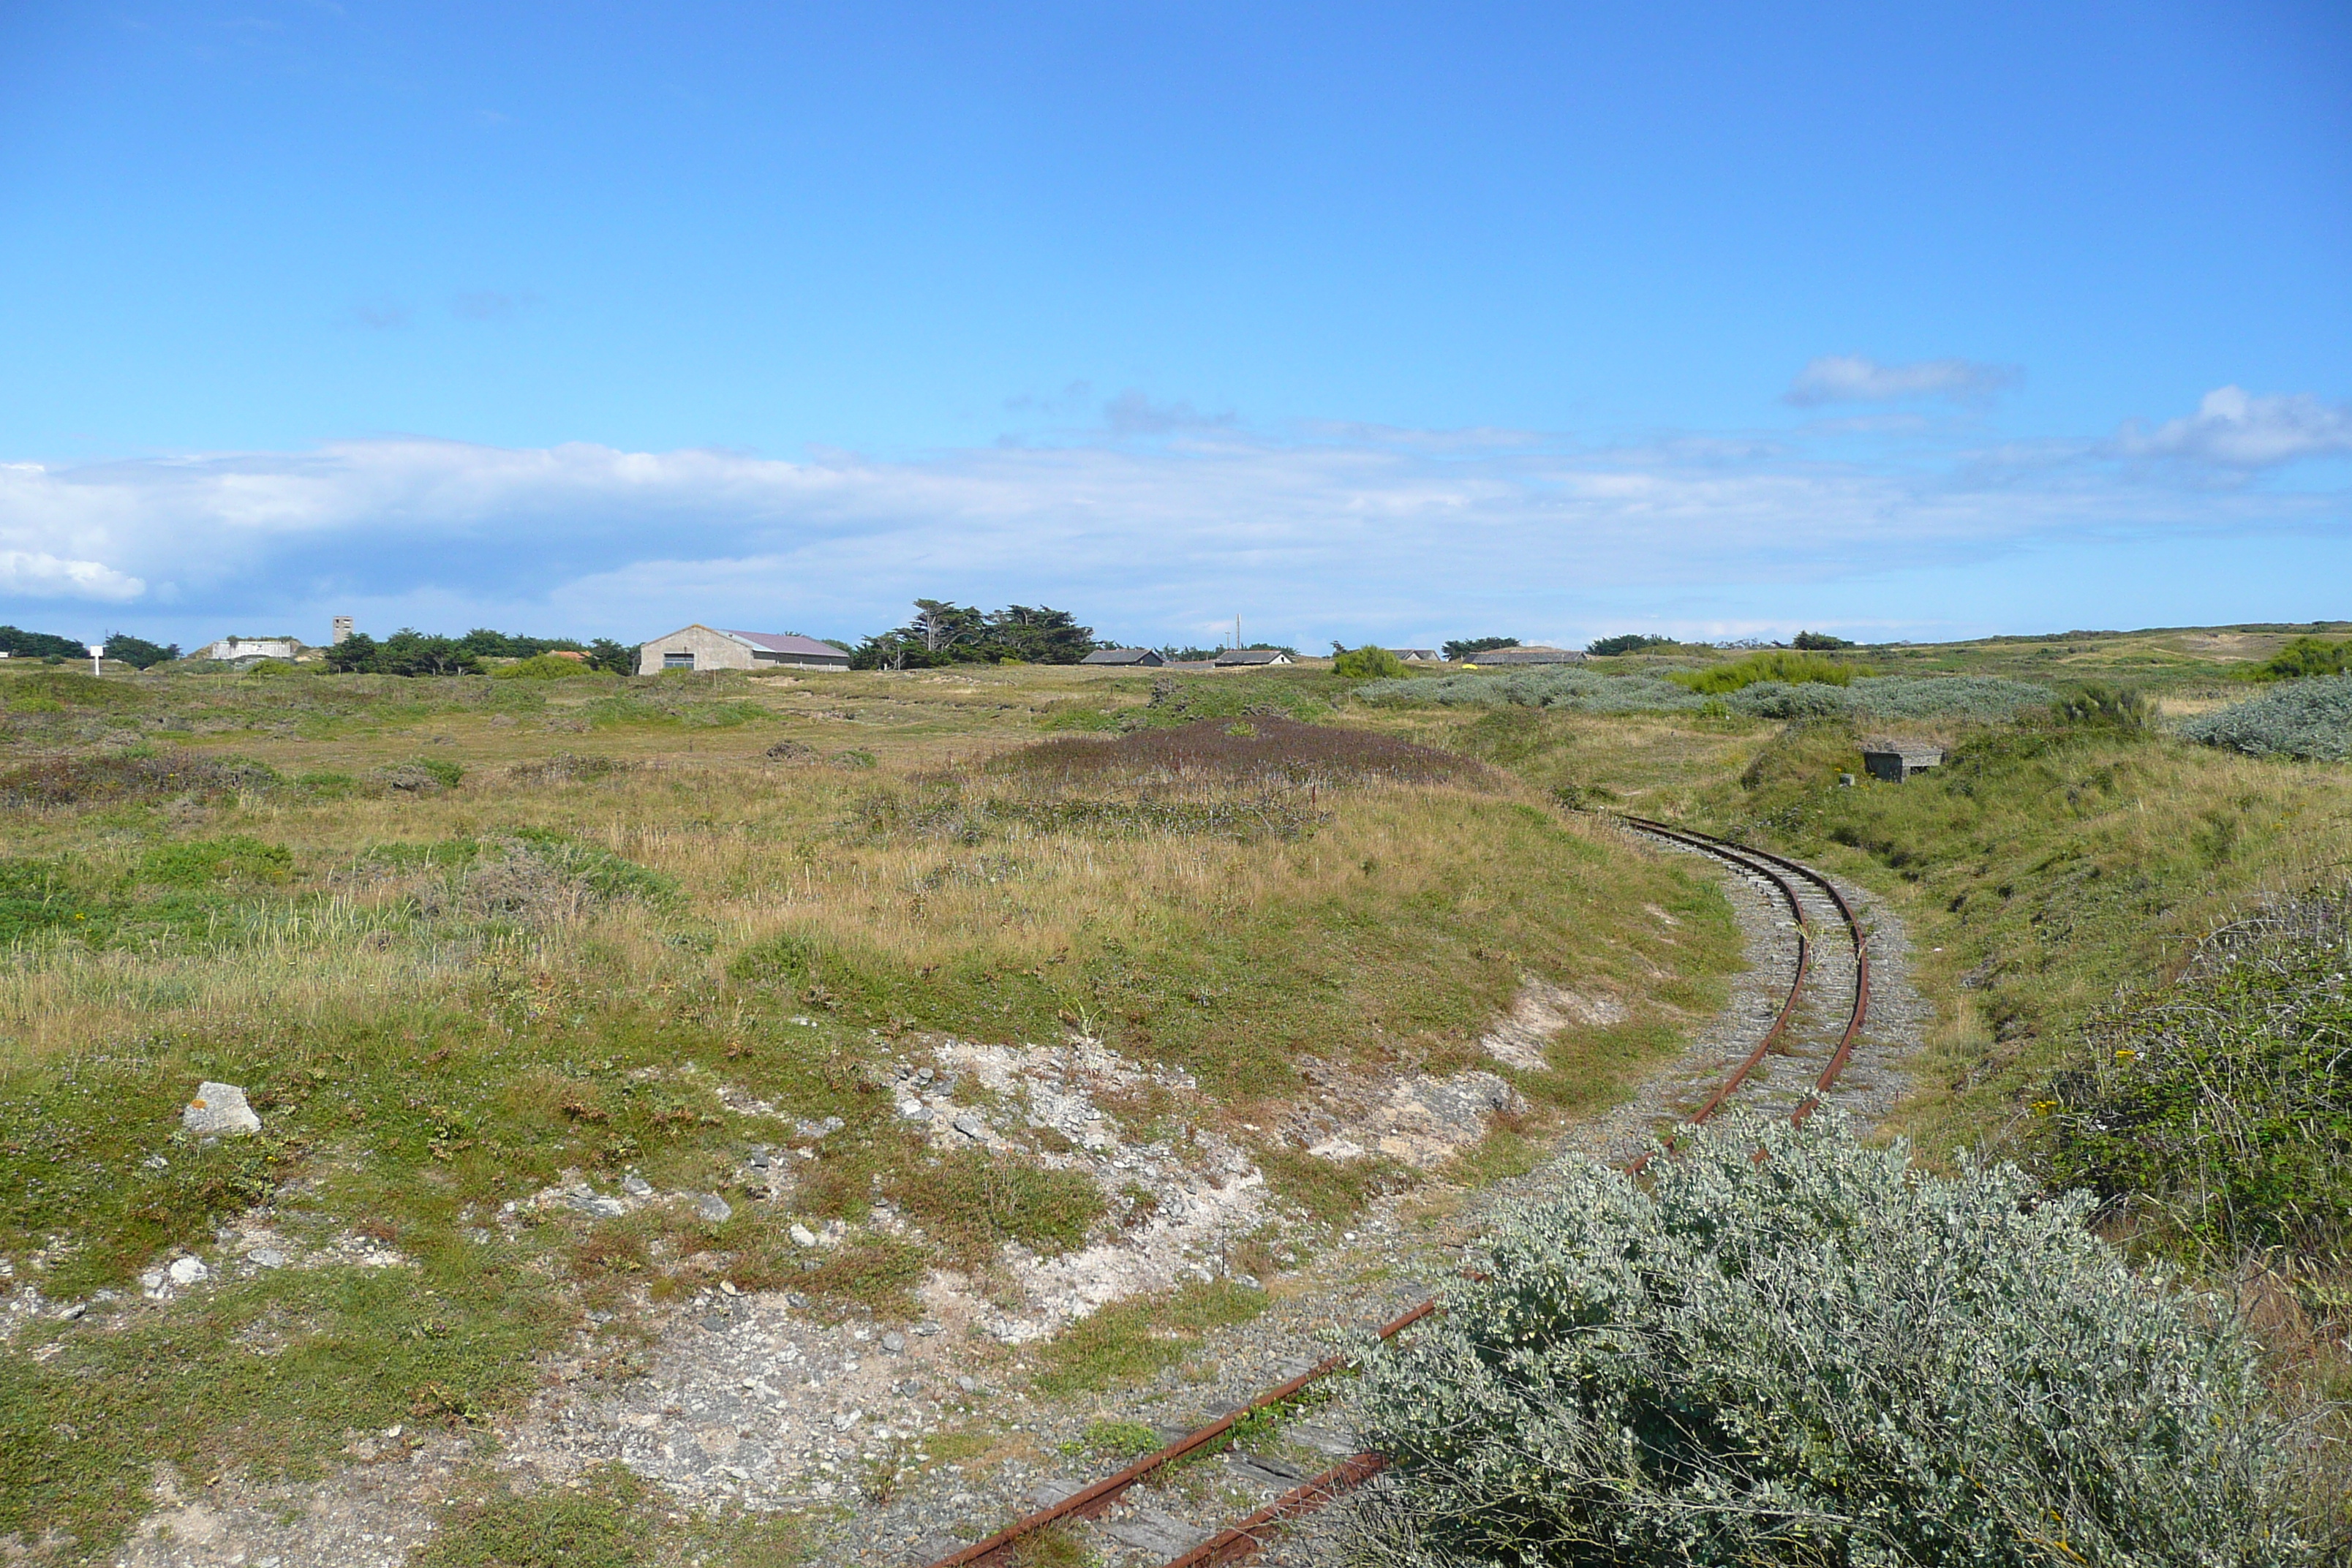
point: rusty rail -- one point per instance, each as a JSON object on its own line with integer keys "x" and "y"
{"x": 1246, "y": 1537}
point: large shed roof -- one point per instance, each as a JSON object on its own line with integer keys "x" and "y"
{"x": 783, "y": 642}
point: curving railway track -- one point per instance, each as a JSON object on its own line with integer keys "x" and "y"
{"x": 1834, "y": 967}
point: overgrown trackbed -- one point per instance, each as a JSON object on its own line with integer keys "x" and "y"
{"x": 1811, "y": 899}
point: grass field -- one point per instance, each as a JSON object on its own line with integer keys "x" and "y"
{"x": 466, "y": 942}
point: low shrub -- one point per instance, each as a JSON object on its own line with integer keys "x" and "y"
{"x": 107, "y": 780}
{"x": 2215, "y": 1117}
{"x": 543, "y": 666}
{"x": 971, "y": 1202}
{"x": 2308, "y": 718}
{"x": 1263, "y": 750}
{"x": 1821, "y": 1356}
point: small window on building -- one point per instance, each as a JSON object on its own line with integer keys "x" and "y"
{"x": 677, "y": 662}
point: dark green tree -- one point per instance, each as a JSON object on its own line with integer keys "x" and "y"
{"x": 1037, "y": 636}
{"x": 1819, "y": 642}
{"x": 138, "y": 652}
{"x": 943, "y": 632}
{"x": 1468, "y": 648}
{"x": 406, "y": 652}
{"x": 18, "y": 644}
{"x": 607, "y": 654}
{"x": 1627, "y": 642}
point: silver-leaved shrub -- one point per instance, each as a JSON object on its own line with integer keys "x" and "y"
{"x": 2308, "y": 718}
{"x": 1820, "y": 1357}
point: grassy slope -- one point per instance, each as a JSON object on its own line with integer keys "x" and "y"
{"x": 443, "y": 998}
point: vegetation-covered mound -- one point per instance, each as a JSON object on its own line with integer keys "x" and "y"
{"x": 1980, "y": 697}
{"x": 1822, "y": 1356}
{"x": 2308, "y": 718}
{"x": 2216, "y": 1116}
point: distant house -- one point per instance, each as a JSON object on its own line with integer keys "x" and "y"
{"x": 1537, "y": 655}
{"x": 1897, "y": 763}
{"x": 1417, "y": 655}
{"x": 1124, "y": 656}
{"x": 1252, "y": 658}
{"x": 251, "y": 647}
{"x": 699, "y": 646}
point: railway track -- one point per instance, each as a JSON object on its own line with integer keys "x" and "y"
{"x": 1813, "y": 903}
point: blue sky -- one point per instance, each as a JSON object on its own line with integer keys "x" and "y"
{"x": 1377, "y": 323}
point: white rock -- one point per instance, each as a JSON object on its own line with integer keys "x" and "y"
{"x": 188, "y": 1270}
{"x": 636, "y": 1186}
{"x": 803, "y": 1235}
{"x": 268, "y": 1257}
{"x": 219, "y": 1109}
{"x": 712, "y": 1208}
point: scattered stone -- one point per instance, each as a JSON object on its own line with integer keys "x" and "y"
{"x": 219, "y": 1109}
{"x": 636, "y": 1186}
{"x": 155, "y": 1162}
{"x": 188, "y": 1270}
{"x": 266, "y": 1257}
{"x": 712, "y": 1208}
{"x": 74, "y": 1311}
{"x": 894, "y": 1342}
{"x": 801, "y": 1235}
{"x": 597, "y": 1208}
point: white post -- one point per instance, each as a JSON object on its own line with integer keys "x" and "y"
{"x": 96, "y": 654}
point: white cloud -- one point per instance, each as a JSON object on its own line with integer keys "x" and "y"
{"x": 1350, "y": 531}
{"x": 2235, "y": 428}
{"x": 40, "y": 575}
{"x": 1855, "y": 378}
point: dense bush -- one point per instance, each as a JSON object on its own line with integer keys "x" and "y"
{"x": 1771, "y": 664}
{"x": 2216, "y": 1116}
{"x": 1820, "y": 1357}
{"x": 1819, "y": 642}
{"x": 2101, "y": 707}
{"x": 2309, "y": 719}
{"x": 1367, "y": 663}
{"x": 2303, "y": 658}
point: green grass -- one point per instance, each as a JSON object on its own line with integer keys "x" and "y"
{"x": 425, "y": 1044}
{"x": 2052, "y": 865}
{"x": 265, "y": 1374}
{"x": 1132, "y": 1340}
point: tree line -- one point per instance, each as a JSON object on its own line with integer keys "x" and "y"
{"x": 410, "y": 652}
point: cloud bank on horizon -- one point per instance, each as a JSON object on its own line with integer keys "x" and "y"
{"x": 1159, "y": 524}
